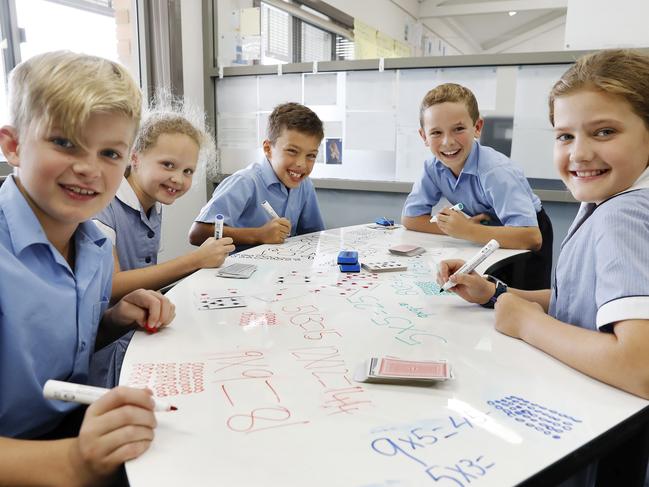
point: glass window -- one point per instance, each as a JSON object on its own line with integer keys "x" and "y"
{"x": 316, "y": 44}
{"x": 50, "y": 26}
{"x": 275, "y": 35}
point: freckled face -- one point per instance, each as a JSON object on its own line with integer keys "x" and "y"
{"x": 292, "y": 156}
{"x": 449, "y": 133}
{"x": 601, "y": 146}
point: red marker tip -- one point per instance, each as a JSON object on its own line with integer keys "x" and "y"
{"x": 173, "y": 408}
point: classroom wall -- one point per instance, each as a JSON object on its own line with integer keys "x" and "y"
{"x": 341, "y": 207}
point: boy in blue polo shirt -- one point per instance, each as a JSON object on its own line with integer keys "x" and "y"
{"x": 491, "y": 189}
{"x": 281, "y": 178}
{"x": 74, "y": 118}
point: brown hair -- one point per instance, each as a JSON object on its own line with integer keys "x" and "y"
{"x": 64, "y": 89}
{"x": 159, "y": 123}
{"x": 618, "y": 72}
{"x": 293, "y": 116}
{"x": 450, "y": 92}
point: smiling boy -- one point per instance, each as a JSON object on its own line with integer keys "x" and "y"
{"x": 491, "y": 189}
{"x": 281, "y": 178}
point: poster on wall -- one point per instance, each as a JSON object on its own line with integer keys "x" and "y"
{"x": 333, "y": 151}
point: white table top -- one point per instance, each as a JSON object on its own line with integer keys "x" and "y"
{"x": 266, "y": 393}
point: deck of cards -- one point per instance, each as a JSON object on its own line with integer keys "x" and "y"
{"x": 237, "y": 271}
{"x": 390, "y": 370}
{"x": 407, "y": 250}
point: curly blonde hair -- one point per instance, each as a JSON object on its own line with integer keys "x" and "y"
{"x": 168, "y": 114}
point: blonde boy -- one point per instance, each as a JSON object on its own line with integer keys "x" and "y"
{"x": 73, "y": 119}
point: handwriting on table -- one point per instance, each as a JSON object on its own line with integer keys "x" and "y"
{"x": 407, "y": 332}
{"x": 414, "y": 443}
{"x": 245, "y": 381}
{"x": 328, "y": 368}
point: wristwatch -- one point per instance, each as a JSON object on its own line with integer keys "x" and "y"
{"x": 501, "y": 288}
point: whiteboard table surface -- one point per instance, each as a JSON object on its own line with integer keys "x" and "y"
{"x": 266, "y": 394}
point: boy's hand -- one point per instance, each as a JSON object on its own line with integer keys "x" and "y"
{"x": 454, "y": 223}
{"x": 116, "y": 428}
{"x": 149, "y": 309}
{"x": 512, "y": 312}
{"x": 213, "y": 252}
{"x": 275, "y": 231}
{"x": 471, "y": 287}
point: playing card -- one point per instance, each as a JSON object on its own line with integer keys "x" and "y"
{"x": 208, "y": 301}
{"x": 297, "y": 277}
{"x": 385, "y": 266}
{"x": 407, "y": 249}
{"x": 237, "y": 271}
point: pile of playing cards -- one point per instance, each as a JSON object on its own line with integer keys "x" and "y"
{"x": 397, "y": 371}
{"x": 385, "y": 266}
{"x": 407, "y": 250}
{"x": 237, "y": 271}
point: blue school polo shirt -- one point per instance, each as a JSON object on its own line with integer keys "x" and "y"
{"x": 602, "y": 274}
{"x": 49, "y": 314}
{"x": 135, "y": 235}
{"x": 239, "y": 196}
{"x": 489, "y": 183}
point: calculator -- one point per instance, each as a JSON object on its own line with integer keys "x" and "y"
{"x": 237, "y": 271}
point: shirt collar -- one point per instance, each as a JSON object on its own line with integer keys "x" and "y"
{"x": 127, "y": 196}
{"x": 641, "y": 183}
{"x": 268, "y": 173}
{"x": 25, "y": 229}
{"x": 471, "y": 163}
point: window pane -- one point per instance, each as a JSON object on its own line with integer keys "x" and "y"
{"x": 4, "y": 110}
{"x": 50, "y": 26}
{"x": 344, "y": 48}
{"x": 316, "y": 44}
{"x": 275, "y": 35}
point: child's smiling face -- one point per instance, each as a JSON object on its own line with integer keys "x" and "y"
{"x": 164, "y": 171}
{"x": 448, "y": 131}
{"x": 66, "y": 184}
{"x": 292, "y": 156}
{"x": 601, "y": 145}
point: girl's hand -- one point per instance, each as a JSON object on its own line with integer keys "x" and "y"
{"x": 471, "y": 287}
{"x": 514, "y": 312}
{"x": 213, "y": 252}
{"x": 149, "y": 309}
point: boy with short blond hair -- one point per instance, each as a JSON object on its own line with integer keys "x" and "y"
{"x": 281, "y": 178}
{"x": 73, "y": 121}
{"x": 494, "y": 193}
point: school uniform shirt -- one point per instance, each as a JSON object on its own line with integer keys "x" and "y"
{"x": 602, "y": 274}
{"x": 49, "y": 314}
{"x": 489, "y": 183}
{"x": 238, "y": 198}
{"x": 135, "y": 234}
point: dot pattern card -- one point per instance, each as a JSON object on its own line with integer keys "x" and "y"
{"x": 209, "y": 301}
{"x": 385, "y": 266}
